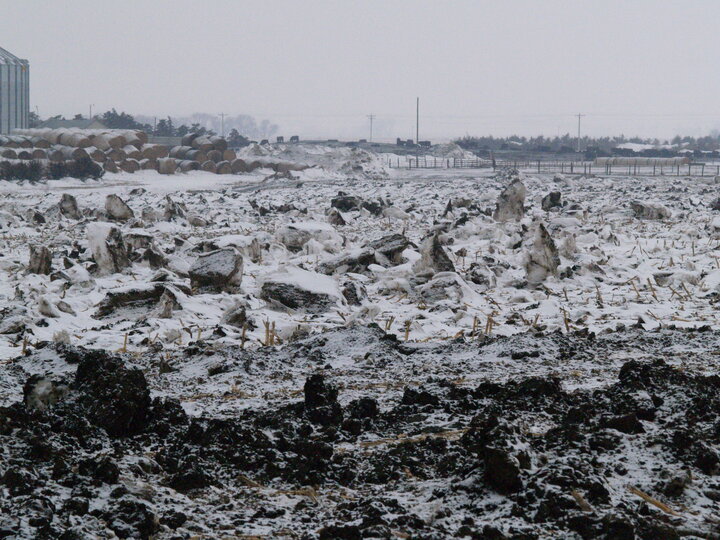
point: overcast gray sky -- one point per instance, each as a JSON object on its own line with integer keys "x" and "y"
{"x": 317, "y": 68}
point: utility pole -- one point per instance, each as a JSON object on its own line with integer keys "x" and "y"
{"x": 417, "y": 121}
{"x": 222, "y": 116}
{"x": 371, "y": 117}
{"x": 578, "y": 143}
{"x": 90, "y": 112}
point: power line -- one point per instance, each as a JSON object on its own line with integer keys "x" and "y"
{"x": 500, "y": 116}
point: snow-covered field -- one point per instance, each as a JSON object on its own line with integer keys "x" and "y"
{"x": 491, "y": 373}
{"x": 615, "y": 269}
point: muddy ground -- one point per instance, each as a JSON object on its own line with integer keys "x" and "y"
{"x": 354, "y": 434}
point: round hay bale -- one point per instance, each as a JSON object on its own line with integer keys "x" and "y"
{"x": 167, "y": 166}
{"x": 254, "y": 165}
{"x": 69, "y": 153}
{"x": 116, "y": 140}
{"x": 215, "y": 155}
{"x": 224, "y": 167}
{"x": 24, "y": 153}
{"x": 161, "y": 151}
{"x": 196, "y": 155}
{"x": 39, "y": 153}
{"x": 116, "y": 154}
{"x": 188, "y": 139}
{"x": 51, "y": 135}
{"x": 209, "y": 166}
{"x": 23, "y": 142}
{"x": 132, "y": 152}
{"x": 79, "y": 140}
{"x": 149, "y": 164}
{"x": 203, "y": 143}
{"x": 130, "y": 165}
{"x": 187, "y": 165}
{"x": 179, "y": 152}
{"x": 40, "y": 142}
{"x": 8, "y": 153}
{"x": 133, "y": 140}
{"x": 110, "y": 166}
{"x": 96, "y": 154}
{"x": 64, "y": 138}
{"x": 101, "y": 141}
{"x": 219, "y": 143}
{"x": 229, "y": 155}
{"x": 154, "y": 151}
{"x": 238, "y": 166}
{"x": 54, "y": 154}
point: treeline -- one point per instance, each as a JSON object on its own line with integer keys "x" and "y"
{"x": 568, "y": 143}
{"x": 240, "y": 129}
{"x": 34, "y": 171}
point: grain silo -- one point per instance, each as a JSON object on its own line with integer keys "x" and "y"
{"x": 14, "y": 92}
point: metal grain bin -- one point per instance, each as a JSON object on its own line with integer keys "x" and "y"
{"x": 14, "y": 92}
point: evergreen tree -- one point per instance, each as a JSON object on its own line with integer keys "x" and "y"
{"x": 235, "y": 140}
{"x": 114, "y": 120}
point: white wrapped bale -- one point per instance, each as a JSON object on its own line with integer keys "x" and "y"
{"x": 167, "y": 166}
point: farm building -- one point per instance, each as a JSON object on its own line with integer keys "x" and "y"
{"x": 14, "y": 92}
{"x": 81, "y": 123}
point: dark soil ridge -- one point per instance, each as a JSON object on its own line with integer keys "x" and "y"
{"x": 92, "y": 453}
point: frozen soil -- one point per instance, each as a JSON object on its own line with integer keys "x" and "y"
{"x": 356, "y": 434}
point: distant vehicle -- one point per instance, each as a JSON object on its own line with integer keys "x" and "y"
{"x": 399, "y": 142}
{"x": 362, "y": 141}
{"x": 294, "y": 138}
{"x": 280, "y": 139}
{"x": 264, "y": 141}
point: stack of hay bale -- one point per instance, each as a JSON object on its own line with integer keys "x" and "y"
{"x": 202, "y": 152}
{"x": 129, "y": 151}
{"x": 115, "y": 150}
